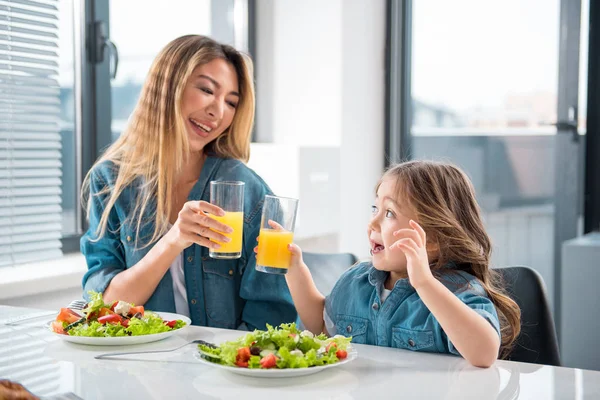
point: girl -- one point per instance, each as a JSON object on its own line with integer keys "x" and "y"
{"x": 428, "y": 286}
{"x": 149, "y": 232}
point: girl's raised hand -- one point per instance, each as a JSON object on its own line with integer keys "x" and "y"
{"x": 413, "y": 242}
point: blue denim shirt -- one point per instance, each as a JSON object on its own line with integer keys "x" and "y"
{"x": 221, "y": 293}
{"x": 402, "y": 321}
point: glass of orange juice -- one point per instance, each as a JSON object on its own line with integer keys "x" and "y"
{"x": 229, "y": 195}
{"x": 276, "y": 233}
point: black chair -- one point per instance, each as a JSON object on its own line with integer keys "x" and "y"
{"x": 327, "y": 268}
{"x": 537, "y": 342}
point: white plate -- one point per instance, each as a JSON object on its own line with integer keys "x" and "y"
{"x": 278, "y": 373}
{"x": 128, "y": 340}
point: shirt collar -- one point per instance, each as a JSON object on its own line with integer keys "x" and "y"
{"x": 377, "y": 278}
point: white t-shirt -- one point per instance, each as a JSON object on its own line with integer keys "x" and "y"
{"x": 181, "y": 303}
{"x": 330, "y": 326}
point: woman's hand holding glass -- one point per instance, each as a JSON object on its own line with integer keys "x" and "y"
{"x": 193, "y": 225}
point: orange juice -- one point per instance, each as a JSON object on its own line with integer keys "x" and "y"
{"x": 273, "y": 248}
{"x": 234, "y": 219}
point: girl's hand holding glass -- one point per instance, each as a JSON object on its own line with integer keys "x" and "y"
{"x": 295, "y": 253}
{"x": 413, "y": 242}
{"x": 193, "y": 225}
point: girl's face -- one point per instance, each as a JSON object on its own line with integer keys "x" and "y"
{"x": 389, "y": 215}
{"x": 209, "y": 101}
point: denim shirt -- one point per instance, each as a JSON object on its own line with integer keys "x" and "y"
{"x": 221, "y": 293}
{"x": 402, "y": 321}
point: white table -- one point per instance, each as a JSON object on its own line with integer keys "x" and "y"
{"x": 48, "y": 366}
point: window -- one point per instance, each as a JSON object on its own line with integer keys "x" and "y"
{"x": 54, "y": 122}
{"x": 33, "y": 129}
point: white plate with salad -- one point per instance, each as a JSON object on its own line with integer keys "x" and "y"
{"x": 116, "y": 324}
{"x": 279, "y": 352}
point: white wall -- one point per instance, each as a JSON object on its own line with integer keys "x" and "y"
{"x": 298, "y": 67}
{"x": 363, "y": 117}
{"x": 320, "y": 82}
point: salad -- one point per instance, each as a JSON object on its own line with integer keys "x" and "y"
{"x": 111, "y": 320}
{"x": 281, "y": 347}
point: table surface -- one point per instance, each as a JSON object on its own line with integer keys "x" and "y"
{"x": 53, "y": 368}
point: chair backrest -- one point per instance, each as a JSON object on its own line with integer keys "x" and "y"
{"x": 537, "y": 342}
{"x": 327, "y": 268}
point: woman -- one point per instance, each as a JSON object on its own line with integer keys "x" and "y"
{"x": 149, "y": 234}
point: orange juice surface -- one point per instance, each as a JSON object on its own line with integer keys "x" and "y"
{"x": 272, "y": 248}
{"x": 236, "y": 221}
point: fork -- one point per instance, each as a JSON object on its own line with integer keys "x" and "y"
{"x": 77, "y": 304}
{"x": 197, "y": 341}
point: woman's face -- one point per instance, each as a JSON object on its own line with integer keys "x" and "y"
{"x": 209, "y": 101}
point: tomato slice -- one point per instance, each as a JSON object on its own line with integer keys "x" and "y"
{"x": 330, "y": 345}
{"x": 269, "y": 361}
{"x": 341, "y": 354}
{"x": 92, "y": 316}
{"x": 67, "y": 315}
{"x": 110, "y": 319}
{"x": 57, "y": 327}
{"x": 104, "y": 311}
{"x": 112, "y": 308}
{"x": 243, "y": 354}
{"x": 171, "y": 324}
{"x": 136, "y": 309}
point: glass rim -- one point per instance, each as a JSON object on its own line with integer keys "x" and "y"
{"x": 272, "y": 196}
{"x": 231, "y": 183}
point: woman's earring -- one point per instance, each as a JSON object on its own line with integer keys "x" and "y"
{"x": 371, "y": 251}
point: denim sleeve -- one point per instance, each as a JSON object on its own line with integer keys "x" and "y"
{"x": 482, "y": 306}
{"x": 268, "y": 299}
{"x": 105, "y": 255}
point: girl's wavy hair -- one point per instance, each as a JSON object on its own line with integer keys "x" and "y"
{"x": 153, "y": 148}
{"x": 443, "y": 200}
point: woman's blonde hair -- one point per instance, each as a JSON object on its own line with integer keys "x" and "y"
{"x": 443, "y": 200}
{"x": 154, "y": 146}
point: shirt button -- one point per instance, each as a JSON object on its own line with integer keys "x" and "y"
{"x": 375, "y": 306}
{"x": 190, "y": 259}
{"x": 193, "y": 301}
{"x": 129, "y": 238}
{"x": 349, "y": 329}
{"x": 231, "y": 272}
{"x": 411, "y": 343}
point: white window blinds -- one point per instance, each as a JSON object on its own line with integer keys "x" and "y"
{"x": 30, "y": 141}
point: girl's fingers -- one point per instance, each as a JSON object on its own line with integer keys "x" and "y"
{"x": 408, "y": 250}
{"x": 408, "y": 242}
{"x": 410, "y": 233}
{"x": 420, "y": 230}
{"x": 294, "y": 248}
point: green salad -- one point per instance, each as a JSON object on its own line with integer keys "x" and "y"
{"x": 120, "y": 318}
{"x": 281, "y": 347}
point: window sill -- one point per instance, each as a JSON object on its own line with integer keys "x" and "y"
{"x": 42, "y": 277}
